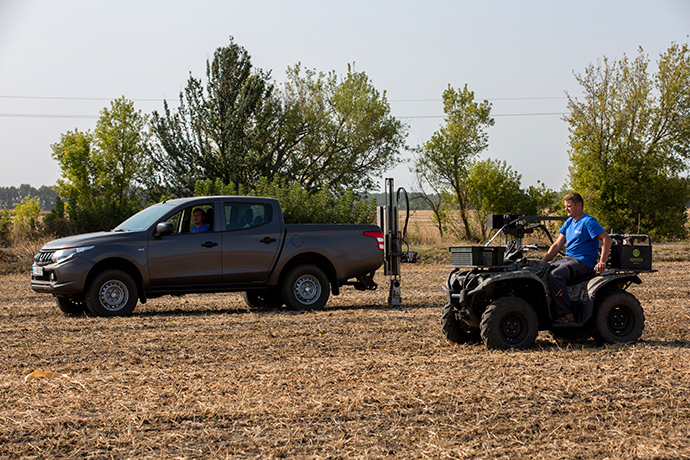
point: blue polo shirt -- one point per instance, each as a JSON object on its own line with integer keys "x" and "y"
{"x": 581, "y": 238}
{"x": 203, "y": 228}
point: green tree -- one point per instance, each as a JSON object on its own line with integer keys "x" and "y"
{"x": 495, "y": 188}
{"x": 102, "y": 172}
{"x": 298, "y": 205}
{"x": 26, "y": 223}
{"x": 444, "y": 161}
{"x": 339, "y": 133}
{"x": 630, "y": 142}
{"x": 220, "y": 129}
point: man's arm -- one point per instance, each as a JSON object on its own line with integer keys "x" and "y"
{"x": 557, "y": 246}
{"x": 605, "y": 249}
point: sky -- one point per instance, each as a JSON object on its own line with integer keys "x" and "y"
{"x": 62, "y": 62}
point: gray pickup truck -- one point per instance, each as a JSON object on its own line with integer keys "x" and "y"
{"x": 243, "y": 246}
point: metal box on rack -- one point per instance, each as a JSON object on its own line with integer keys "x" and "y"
{"x": 631, "y": 252}
{"x": 476, "y": 256}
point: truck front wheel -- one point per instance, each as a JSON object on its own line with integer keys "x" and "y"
{"x": 111, "y": 293}
{"x": 305, "y": 288}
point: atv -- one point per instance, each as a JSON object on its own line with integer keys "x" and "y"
{"x": 497, "y": 295}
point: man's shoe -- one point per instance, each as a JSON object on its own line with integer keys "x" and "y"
{"x": 569, "y": 318}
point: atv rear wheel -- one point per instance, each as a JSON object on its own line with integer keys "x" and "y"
{"x": 453, "y": 328}
{"x": 509, "y": 322}
{"x": 619, "y": 318}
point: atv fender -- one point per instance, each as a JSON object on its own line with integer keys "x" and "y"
{"x": 520, "y": 283}
{"x": 603, "y": 283}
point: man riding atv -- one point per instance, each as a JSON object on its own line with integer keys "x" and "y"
{"x": 582, "y": 234}
{"x": 505, "y": 302}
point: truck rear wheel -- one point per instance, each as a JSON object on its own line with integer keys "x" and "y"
{"x": 305, "y": 288}
{"x": 619, "y": 318}
{"x": 111, "y": 293}
{"x": 509, "y": 322}
{"x": 453, "y": 328}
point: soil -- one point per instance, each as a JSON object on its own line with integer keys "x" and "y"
{"x": 202, "y": 376}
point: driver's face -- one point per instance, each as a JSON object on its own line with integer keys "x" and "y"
{"x": 197, "y": 218}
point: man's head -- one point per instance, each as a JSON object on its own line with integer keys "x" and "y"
{"x": 574, "y": 205}
{"x": 198, "y": 217}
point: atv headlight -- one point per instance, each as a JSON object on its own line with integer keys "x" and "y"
{"x": 63, "y": 255}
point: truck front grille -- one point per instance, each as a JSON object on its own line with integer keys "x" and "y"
{"x": 43, "y": 257}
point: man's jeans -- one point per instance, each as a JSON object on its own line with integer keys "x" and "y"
{"x": 564, "y": 271}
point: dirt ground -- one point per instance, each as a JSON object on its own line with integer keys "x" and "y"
{"x": 204, "y": 377}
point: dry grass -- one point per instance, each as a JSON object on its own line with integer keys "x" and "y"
{"x": 203, "y": 377}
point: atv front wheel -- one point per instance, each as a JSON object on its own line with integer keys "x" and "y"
{"x": 453, "y": 328}
{"x": 619, "y": 318}
{"x": 509, "y": 322}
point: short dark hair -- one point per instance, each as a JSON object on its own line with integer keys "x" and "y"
{"x": 200, "y": 210}
{"x": 574, "y": 197}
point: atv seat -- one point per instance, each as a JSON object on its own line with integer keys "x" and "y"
{"x": 581, "y": 279}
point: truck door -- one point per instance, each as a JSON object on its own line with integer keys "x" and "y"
{"x": 251, "y": 241}
{"x": 187, "y": 257}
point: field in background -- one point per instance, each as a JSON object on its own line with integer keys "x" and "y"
{"x": 204, "y": 377}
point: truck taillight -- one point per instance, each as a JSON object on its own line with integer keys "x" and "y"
{"x": 378, "y": 236}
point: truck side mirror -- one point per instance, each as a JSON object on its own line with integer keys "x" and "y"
{"x": 165, "y": 228}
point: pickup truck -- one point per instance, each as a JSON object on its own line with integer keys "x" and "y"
{"x": 245, "y": 247}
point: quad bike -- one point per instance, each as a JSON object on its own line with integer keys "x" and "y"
{"x": 504, "y": 299}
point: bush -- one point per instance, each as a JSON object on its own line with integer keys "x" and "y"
{"x": 300, "y": 207}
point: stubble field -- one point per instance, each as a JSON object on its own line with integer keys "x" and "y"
{"x": 204, "y": 377}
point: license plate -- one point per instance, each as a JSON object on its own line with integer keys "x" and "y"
{"x": 36, "y": 271}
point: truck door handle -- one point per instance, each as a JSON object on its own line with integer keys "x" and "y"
{"x": 209, "y": 244}
{"x": 267, "y": 240}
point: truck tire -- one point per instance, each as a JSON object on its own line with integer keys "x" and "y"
{"x": 509, "y": 322}
{"x": 111, "y": 293}
{"x": 262, "y": 299}
{"x": 305, "y": 288}
{"x": 619, "y": 318}
{"x": 70, "y": 307}
{"x": 453, "y": 329}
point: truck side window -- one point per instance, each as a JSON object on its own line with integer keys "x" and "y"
{"x": 183, "y": 220}
{"x": 246, "y": 215}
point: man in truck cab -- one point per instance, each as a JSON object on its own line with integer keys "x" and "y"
{"x": 198, "y": 220}
{"x": 581, "y": 235}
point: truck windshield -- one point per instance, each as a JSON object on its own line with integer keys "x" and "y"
{"x": 144, "y": 218}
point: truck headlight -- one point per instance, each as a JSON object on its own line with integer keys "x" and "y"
{"x": 63, "y": 255}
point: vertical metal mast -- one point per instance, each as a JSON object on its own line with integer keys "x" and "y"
{"x": 392, "y": 243}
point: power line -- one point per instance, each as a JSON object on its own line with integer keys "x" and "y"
{"x": 493, "y": 115}
{"x": 43, "y": 115}
{"x": 72, "y": 98}
{"x": 405, "y": 117}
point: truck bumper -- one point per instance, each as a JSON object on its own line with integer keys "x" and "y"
{"x": 67, "y": 279}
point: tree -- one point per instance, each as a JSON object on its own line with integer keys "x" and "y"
{"x": 443, "y": 162}
{"x": 321, "y": 132}
{"x": 299, "y": 206}
{"x": 220, "y": 130}
{"x": 102, "y": 172}
{"x": 339, "y": 134}
{"x": 630, "y": 142}
{"x": 495, "y": 188}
